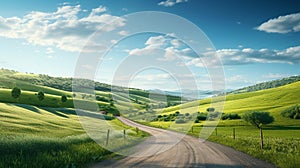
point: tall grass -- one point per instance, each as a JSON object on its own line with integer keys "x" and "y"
{"x": 282, "y": 144}
{"x": 36, "y": 151}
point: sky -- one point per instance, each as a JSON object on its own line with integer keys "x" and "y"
{"x": 251, "y": 40}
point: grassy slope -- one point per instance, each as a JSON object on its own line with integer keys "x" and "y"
{"x": 282, "y": 138}
{"x": 272, "y": 100}
{"x": 49, "y": 137}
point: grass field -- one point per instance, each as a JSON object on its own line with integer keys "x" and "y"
{"x": 53, "y": 137}
{"x": 282, "y": 137}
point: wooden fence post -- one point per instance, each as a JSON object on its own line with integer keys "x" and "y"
{"x": 261, "y": 138}
{"x": 124, "y": 133}
{"x": 107, "y": 137}
{"x": 216, "y": 131}
{"x": 233, "y": 132}
{"x": 137, "y": 130}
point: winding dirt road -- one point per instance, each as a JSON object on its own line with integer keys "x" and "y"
{"x": 170, "y": 149}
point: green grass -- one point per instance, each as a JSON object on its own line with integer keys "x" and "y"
{"x": 271, "y": 100}
{"x": 34, "y": 136}
{"x": 281, "y": 144}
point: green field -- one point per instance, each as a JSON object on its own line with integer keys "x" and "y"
{"x": 49, "y": 133}
{"x": 53, "y": 137}
{"x": 282, "y": 137}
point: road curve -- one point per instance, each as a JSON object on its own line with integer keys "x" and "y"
{"x": 169, "y": 149}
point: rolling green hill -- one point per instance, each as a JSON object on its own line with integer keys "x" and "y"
{"x": 273, "y": 100}
{"x": 267, "y": 85}
{"x": 54, "y": 87}
{"x": 34, "y": 136}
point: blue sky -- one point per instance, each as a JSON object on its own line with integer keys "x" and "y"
{"x": 256, "y": 40}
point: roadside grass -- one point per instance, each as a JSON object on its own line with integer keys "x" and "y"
{"x": 33, "y": 136}
{"x": 282, "y": 143}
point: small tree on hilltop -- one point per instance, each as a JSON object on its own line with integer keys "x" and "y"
{"x": 259, "y": 119}
{"x": 64, "y": 98}
{"x": 16, "y": 92}
{"x": 41, "y": 95}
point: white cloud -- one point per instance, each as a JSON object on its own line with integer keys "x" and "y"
{"x": 152, "y": 45}
{"x": 49, "y": 50}
{"x": 169, "y": 3}
{"x": 275, "y": 75}
{"x": 98, "y": 10}
{"x": 66, "y": 28}
{"x": 247, "y": 56}
{"x": 282, "y": 24}
{"x": 123, "y": 33}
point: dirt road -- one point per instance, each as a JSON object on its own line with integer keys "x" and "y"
{"x": 170, "y": 149}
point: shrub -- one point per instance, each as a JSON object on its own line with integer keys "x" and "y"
{"x": 179, "y": 121}
{"x": 16, "y": 92}
{"x": 41, "y": 95}
{"x": 201, "y": 116}
{"x": 64, "y": 98}
{"x": 292, "y": 112}
{"x": 230, "y": 116}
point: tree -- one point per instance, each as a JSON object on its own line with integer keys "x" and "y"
{"x": 64, "y": 98}
{"x": 16, "y": 92}
{"x": 210, "y": 109}
{"x": 258, "y": 119}
{"x": 41, "y": 95}
{"x": 292, "y": 112}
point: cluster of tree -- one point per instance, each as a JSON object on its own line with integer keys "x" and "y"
{"x": 292, "y": 112}
{"x": 267, "y": 85}
{"x": 177, "y": 117}
{"x": 16, "y": 93}
{"x": 230, "y": 116}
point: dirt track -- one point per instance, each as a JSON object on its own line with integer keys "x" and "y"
{"x": 169, "y": 149}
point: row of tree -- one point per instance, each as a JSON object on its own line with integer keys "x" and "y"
{"x": 16, "y": 93}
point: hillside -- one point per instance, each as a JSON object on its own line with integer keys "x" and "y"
{"x": 273, "y": 100}
{"x": 267, "y": 85}
{"x": 55, "y": 87}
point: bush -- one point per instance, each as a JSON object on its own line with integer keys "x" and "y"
{"x": 230, "y": 116}
{"x": 64, "y": 98}
{"x": 201, "y": 116}
{"x": 41, "y": 95}
{"x": 292, "y": 112}
{"x": 179, "y": 121}
{"x": 16, "y": 92}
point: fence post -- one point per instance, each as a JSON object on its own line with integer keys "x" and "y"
{"x": 137, "y": 130}
{"x": 216, "y": 131}
{"x": 124, "y": 133}
{"x": 192, "y": 129}
{"x": 107, "y": 137}
{"x": 233, "y": 132}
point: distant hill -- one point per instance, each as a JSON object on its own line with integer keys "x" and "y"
{"x": 58, "y": 86}
{"x": 267, "y": 85}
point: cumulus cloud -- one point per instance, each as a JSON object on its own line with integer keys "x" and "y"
{"x": 170, "y": 48}
{"x": 282, "y": 24}
{"x": 169, "y": 3}
{"x": 248, "y": 56}
{"x": 66, "y": 28}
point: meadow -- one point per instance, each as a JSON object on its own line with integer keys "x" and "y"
{"x": 34, "y": 136}
{"x": 281, "y": 138}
